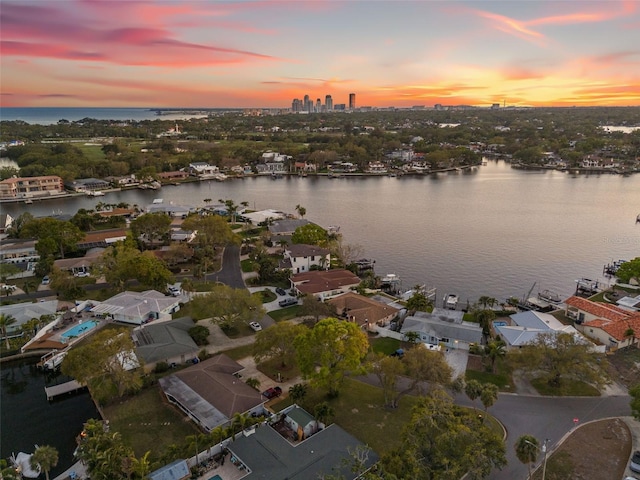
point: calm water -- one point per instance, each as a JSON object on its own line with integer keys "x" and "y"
{"x": 27, "y": 418}
{"x": 491, "y": 231}
{"x": 50, "y": 115}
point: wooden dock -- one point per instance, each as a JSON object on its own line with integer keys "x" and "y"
{"x": 62, "y": 389}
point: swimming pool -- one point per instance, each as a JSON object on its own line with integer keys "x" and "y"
{"x": 79, "y": 329}
{"x": 216, "y": 477}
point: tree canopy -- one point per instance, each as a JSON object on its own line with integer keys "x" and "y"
{"x": 226, "y": 306}
{"x": 329, "y": 350}
{"x": 55, "y": 237}
{"x": 151, "y": 228}
{"x": 277, "y": 341}
{"x": 558, "y": 357}
{"x": 443, "y": 441}
{"x": 629, "y": 270}
{"x": 310, "y": 234}
{"x": 106, "y": 364}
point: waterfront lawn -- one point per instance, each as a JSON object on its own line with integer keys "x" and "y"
{"x": 287, "y": 313}
{"x": 568, "y": 388}
{"x": 147, "y": 422}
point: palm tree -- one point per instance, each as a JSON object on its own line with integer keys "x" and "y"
{"x": 239, "y": 422}
{"x": 28, "y": 286}
{"x": 494, "y": 350}
{"x": 253, "y": 382}
{"x": 297, "y": 392}
{"x": 527, "y": 447}
{"x": 44, "y": 458}
{"x": 323, "y": 412}
{"x": 301, "y": 211}
{"x": 483, "y": 300}
{"x": 5, "y": 321}
{"x": 142, "y": 466}
{"x": 488, "y": 396}
{"x": 473, "y": 389}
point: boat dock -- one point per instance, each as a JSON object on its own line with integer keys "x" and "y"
{"x": 62, "y": 389}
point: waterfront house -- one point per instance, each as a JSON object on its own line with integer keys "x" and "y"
{"x": 172, "y": 176}
{"x": 167, "y": 342}
{"x": 324, "y": 284}
{"x": 31, "y": 187}
{"x": 138, "y": 308}
{"x": 363, "y": 310}
{"x": 443, "y": 327}
{"x": 525, "y": 327}
{"x": 608, "y": 324}
{"x": 376, "y": 168}
{"x": 88, "y": 185}
{"x": 23, "y": 312}
{"x": 287, "y": 226}
{"x": 203, "y": 170}
{"x": 210, "y": 392}
{"x": 301, "y": 258}
{"x": 262, "y": 216}
{"x": 158, "y": 206}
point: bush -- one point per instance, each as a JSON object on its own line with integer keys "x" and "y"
{"x": 199, "y": 333}
{"x": 161, "y": 367}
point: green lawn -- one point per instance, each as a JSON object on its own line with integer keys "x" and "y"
{"x": 91, "y": 152}
{"x": 386, "y": 345}
{"x": 273, "y": 369}
{"x": 265, "y": 295}
{"x": 568, "y": 388}
{"x": 285, "y": 313}
{"x": 501, "y": 380}
{"x": 147, "y": 422}
{"x": 247, "y": 265}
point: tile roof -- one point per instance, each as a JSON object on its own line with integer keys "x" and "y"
{"x": 324, "y": 280}
{"x": 617, "y": 329}
{"x": 602, "y": 310}
{"x": 362, "y": 308}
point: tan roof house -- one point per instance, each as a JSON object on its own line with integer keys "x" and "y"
{"x": 363, "y": 310}
{"x": 324, "y": 284}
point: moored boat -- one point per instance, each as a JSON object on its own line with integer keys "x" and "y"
{"x": 549, "y": 296}
{"x": 450, "y": 301}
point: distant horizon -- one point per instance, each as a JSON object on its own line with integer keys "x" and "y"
{"x": 253, "y": 54}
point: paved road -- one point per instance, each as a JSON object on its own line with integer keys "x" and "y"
{"x": 230, "y": 274}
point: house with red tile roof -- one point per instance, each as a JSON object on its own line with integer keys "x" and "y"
{"x": 324, "y": 284}
{"x": 363, "y": 310}
{"x": 609, "y": 324}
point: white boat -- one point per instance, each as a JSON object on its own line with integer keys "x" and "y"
{"x": 549, "y": 296}
{"x": 95, "y": 193}
{"x": 22, "y": 464}
{"x": 53, "y": 362}
{"x": 450, "y": 301}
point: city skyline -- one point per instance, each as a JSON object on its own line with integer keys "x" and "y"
{"x": 86, "y": 53}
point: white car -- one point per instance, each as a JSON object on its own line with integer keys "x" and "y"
{"x": 45, "y": 280}
{"x": 255, "y": 326}
{"x": 82, "y": 274}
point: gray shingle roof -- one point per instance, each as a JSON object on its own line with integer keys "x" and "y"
{"x": 162, "y": 340}
{"x": 438, "y": 328}
{"x": 271, "y": 457}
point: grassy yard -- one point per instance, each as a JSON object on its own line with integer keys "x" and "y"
{"x": 265, "y": 295}
{"x": 386, "y": 345}
{"x": 285, "y": 313}
{"x": 247, "y": 265}
{"x": 567, "y": 388}
{"x": 146, "y": 420}
{"x": 273, "y": 369}
{"x": 239, "y": 352}
{"x": 503, "y": 379}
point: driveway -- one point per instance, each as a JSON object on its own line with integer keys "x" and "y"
{"x": 457, "y": 360}
{"x": 273, "y": 305}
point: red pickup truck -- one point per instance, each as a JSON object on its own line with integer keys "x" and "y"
{"x": 272, "y": 392}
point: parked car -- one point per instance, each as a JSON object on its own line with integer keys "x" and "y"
{"x": 398, "y": 353}
{"x": 280, "y": 291}
{"x": 255, "y": 326}
{"x": 174, "y": 291}
{"x": 82, "y": 274}
{"x": 272, "y": 392}
{"x": 287, "y": 302}
{"x": 45, "y": 280}
{"x": 635, "y": 462}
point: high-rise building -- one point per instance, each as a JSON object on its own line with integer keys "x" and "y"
{"x": 307, "y": 104}
{"x": 318, "y": 105}
{"x": 352, "y": 101}
{"x": 296, "y": 105}
{"x": 328, "y": 103}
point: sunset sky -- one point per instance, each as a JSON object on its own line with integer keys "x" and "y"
{"x": 92, "y": 53}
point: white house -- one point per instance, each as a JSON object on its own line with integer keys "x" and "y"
{"x": 443, "y": 326}
{"x": 203, "y": 169}
{"x": 300, "y": 258}
{"x": 138, "y": 307}
{"x": 526, "y": 326}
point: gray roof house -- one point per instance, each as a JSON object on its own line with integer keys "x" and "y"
{"x": 287, "y": 226}
{"x": 210, "y": 394}
{"x": 267, "y": 455}
{"x": 23, "y": 312}
{"x": 443, "y": 326}
{"x": 526, "y": 326}
{"x": 165, "y": 342}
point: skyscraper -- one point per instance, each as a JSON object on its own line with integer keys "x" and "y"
{"x": 352, "y": 101}
{"x": 318, "y": 105}
{"x": 328, "y": 102}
